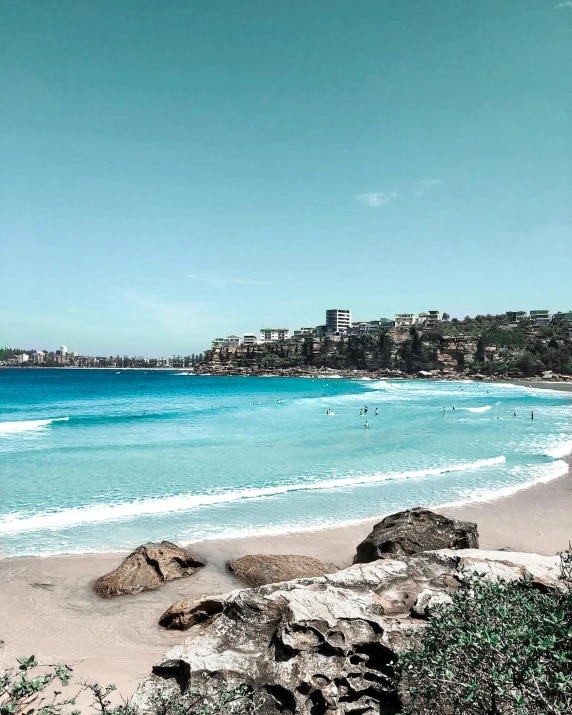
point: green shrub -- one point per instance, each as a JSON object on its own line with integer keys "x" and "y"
{"x": 498, "y": 648}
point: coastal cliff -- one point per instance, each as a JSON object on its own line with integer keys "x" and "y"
{"x": 494, "y": 349}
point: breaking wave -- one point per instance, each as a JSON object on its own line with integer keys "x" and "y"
{"x": 28, "y": 425}
{"x": 486, "y": 408}
{"x": 100, "y": 513}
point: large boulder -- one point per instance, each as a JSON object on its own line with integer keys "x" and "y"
{"x": 148, "y": 568}
{"x": 317, "y": 645}
{"x": 261, "y": 569}
{"x": 415, "y": 530}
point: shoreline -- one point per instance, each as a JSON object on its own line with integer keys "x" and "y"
{"x": 48, "y": 608}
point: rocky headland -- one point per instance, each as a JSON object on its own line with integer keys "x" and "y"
{"x": 328, "y": 643}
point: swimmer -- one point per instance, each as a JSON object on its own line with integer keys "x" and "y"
{"x": 366, "y": 424}
{"x": 376, "y": 412}
{"x": 453, "y": 406}
{"x": 514, "y": 414}
{"x": 444, "y": 411}
{"x": 532, "y": 415}
{"x": 360, "y": 413}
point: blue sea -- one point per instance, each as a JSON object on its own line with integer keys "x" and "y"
{"x": 102, "y": 460}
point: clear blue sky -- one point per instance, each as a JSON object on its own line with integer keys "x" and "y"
{"x": 174, "y": 170}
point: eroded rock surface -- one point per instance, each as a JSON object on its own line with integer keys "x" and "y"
{"x": 317, "y": 645}
{"x": 261, "y": 569}
{"x": 147, "y": 568}
{"x": 415, "y": 530}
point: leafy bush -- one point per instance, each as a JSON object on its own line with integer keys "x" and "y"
{"x": 498, "y": 648}
{"x": 32, "y": 687}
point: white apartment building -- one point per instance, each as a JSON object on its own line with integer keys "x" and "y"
{"x": 405, "y": 320}
{"x": 249, "y": 339}
{"x": 270, "y": 335}
{"x": 64, "y": 350}
{"x": 541, "y": 317}
{"x": 229, "y": 341}
{"x": 433, "y": 317}
{"x": 338, "y": 321}
{"x": 23, "y": 358}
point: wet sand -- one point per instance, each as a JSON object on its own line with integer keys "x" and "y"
{"x": 47, "y": 606}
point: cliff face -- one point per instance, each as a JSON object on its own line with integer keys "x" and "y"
{"x": 395, "y": 351}
{"x": 492, "y": 348}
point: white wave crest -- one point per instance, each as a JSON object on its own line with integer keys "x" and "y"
{"x": 28, "y": 425}
{"x": 560, "y": 450}
{"x": 545, "y": 473}
{"x": 476, "y": 409}
{"x": 100, "y": 513}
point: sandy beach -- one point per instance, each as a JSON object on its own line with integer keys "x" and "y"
{"x": 47, "y": 606}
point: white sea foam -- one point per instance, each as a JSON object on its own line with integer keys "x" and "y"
{"x": 560, "y": 450}
{"x": 100, "y": 513}
{"x": 28, "y": 425}
{"x": 545, "y": 472}
{"x": 476, "y": 409}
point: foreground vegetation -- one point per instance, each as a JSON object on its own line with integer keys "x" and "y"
{"x": 498, "y": 649}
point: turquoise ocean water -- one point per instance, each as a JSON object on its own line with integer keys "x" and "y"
{"x": 96, "y": 461}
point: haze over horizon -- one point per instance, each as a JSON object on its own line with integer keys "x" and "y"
{"x": 176, "y": 171}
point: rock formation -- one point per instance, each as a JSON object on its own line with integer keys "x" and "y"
{"x": 260, "y": 569}
{"x": 317, "y": 645}
{"x": 147, "y": 568}
{"x": 414, "y": 530}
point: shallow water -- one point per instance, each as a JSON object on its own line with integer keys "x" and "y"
{"x": 98, "y": 461}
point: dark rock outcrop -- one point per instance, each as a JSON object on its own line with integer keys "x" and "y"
{"x": 415, "y": 530}
{"x": 261, "y": 569}
{"x": 319, "y": 645}
{"x": 147, "y": 568}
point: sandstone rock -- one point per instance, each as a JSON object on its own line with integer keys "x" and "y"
{"x": 189, "y": 611}
{"x": 427, "y": 600}
{"x": 315, "y": 645}
{"x": 414, "y": 530}
{"x": 147, "y": 568}
{"x": 261, "y": 569}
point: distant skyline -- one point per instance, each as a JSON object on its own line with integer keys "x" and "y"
{"x": 176, "y": 171}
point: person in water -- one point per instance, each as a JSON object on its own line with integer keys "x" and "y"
{"x": 532, "y": 415}
{"x": 365, "y": 410}
{"x": 444, "y": 411}
{"x": 514, "y": 414}
{"x": 360, "y": 413}
{"x": 366, "y": 424}
{"x": 376, "y": 412}
{"x": 453, "y": 406}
